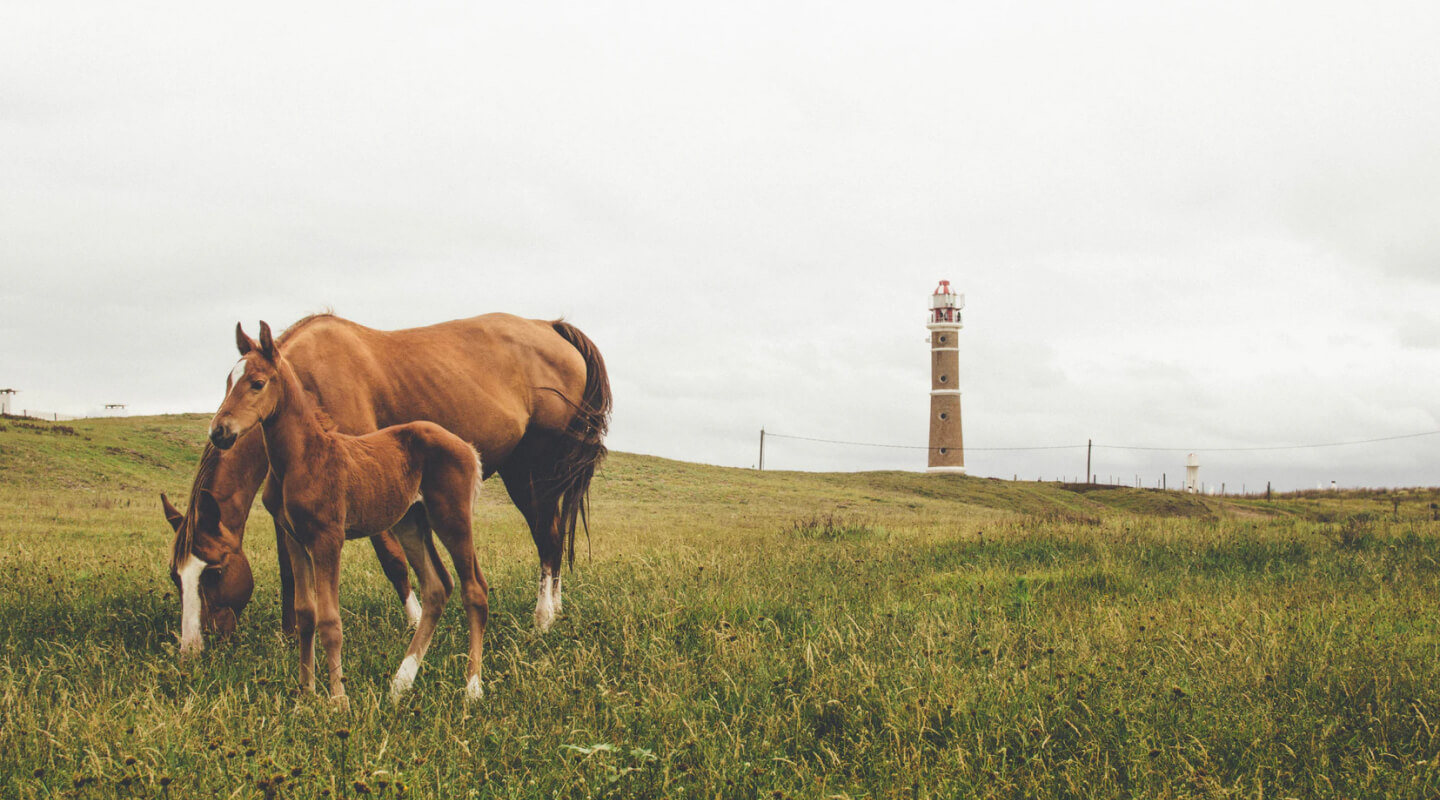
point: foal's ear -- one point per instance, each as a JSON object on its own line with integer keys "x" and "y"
{"x": 209, "y": 509}
{"x": 267, "y": 343}
{"x": 245, "y": 343}
{"x": 172, "y": 516}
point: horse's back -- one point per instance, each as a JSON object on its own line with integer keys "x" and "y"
{"x": 487, "y": 379}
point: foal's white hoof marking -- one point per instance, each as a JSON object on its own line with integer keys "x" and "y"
{"x": 473, "y": 689}
{"x": 404, "y": 678}
{"x": 412, "y": 610}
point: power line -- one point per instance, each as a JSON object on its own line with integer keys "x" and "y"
{"x": 1114, "y": 446}
{"x": 913, "y": 446}
{"x": 1274, "y": 447}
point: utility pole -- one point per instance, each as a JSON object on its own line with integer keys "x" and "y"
{"x": 1088, "y": 444}
{"x": 762, "y": 448}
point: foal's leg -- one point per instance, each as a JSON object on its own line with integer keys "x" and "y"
{"x": 326, "y": 556}
{"x": 414, "y": 534}
{"x": 450, "y": 514}
{"x": 303, "y": 570}
{"x": 274, "y": 503}
{"x": 392, "y": 563}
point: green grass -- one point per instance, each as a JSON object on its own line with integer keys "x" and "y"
{"x": 729, "y": 633}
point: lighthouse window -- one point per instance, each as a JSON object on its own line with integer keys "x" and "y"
{"x": 944, "y": 339}
{"x": 944, "y": 450}
{"x": 944, "y": 415}
{"x": 944, "y": 378}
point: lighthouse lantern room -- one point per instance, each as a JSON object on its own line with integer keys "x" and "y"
{"x": 947, "y": 441}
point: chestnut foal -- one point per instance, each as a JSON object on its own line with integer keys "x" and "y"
{"x": 337, "y": 487}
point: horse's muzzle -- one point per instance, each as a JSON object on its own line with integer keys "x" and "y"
{"x": 222, "y": 438}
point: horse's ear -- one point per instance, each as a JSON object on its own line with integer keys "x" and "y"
{"x": 267, "y": 343}
{"x": 245, "y": 343}
{"x": 172, "y": 516}
{"x": 209, "y": 509}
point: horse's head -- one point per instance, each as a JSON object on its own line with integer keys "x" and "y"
{"x": 209, "y": 569}
{"x": 252, "y": 392}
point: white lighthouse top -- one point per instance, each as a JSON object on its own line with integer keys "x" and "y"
{"x": 1192, "y": 460}
{"x": 945, "y": 305}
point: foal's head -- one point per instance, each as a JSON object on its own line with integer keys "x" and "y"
{"x": 252, "y": 392}
{"x": 207, "y": 555}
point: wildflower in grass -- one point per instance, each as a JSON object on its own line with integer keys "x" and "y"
{"x": 296, "y": 772}
{"x": 129, "y": 761}
{"x": 342, "y": 734}
{"x": 361, "y": 787}
{"x": 165, "y": 780}
{"x": 38, "y": 773}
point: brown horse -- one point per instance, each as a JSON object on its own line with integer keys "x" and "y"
{"x": 337, "y": 487}
{"x": 532, "y": 396}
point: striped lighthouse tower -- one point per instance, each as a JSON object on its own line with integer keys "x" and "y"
{"x": 947, "y": 443}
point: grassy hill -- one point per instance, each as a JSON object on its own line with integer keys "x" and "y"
{"x": 731, "y": 633}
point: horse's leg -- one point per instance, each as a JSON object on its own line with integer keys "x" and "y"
{"x": 304, "y": 598}
{"x": 326, "y": 557}
{"x": 449, "y": 512}
{"x": 392, "y": 562}
{"x": 414, "y": 534}
{"x": 274, "y": 503}
{"x": 543, "y": 517}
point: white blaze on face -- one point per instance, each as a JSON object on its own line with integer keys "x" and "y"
{"x": 190, "y": 640}
{"x": 237, "y": 373}
{"x": 404, "y": 678}
{"x": 544, "y": 608}
{"x": 412, "y": 610}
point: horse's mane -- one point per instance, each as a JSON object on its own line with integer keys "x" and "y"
{"x": 321, "y": 416}
{"x": 304, "y": 322}
{"x": 185, "y": 537}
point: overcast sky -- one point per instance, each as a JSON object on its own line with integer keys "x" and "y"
{"x": 1198, "y": 226}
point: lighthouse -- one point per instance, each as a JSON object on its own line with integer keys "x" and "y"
{"x": 947, "y": 444}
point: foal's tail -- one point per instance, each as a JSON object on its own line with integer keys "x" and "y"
{"x": 585, "y": 448}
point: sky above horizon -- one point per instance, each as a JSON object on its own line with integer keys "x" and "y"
{"x": 1196, "y": 227}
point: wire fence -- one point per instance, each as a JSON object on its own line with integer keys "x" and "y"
{"x": 1159, "y": 481}
{"x": 42, "y": 416}
{"x": 1097, "y": 446}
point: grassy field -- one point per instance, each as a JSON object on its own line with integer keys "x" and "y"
{"x": 729, "y": 633}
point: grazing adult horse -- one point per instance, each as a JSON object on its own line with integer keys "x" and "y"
{"x": 337, "y": 487}
{"x": 532, "y": 396}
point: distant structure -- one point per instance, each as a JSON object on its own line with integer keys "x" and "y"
{"x": 5, "y": 395}
{"x": 947, "y": 442}
{"x": 115, "y": 408}
{"x": 1192, "y": 473}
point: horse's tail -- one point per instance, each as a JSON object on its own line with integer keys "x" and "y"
{"x": 585, "y": 448}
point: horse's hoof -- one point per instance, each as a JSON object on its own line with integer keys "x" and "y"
{"x": 404, "y": 678}
{"x": 474, "y": 690}
{"x": 340, "y": 703}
